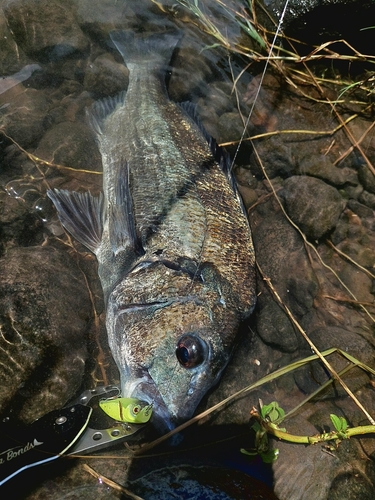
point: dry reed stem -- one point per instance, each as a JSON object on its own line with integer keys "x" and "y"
{"x": 348, "y": 151}
{"x": 110, "y": 483}
{"x": 329, "y": 367}
{"x": 40, "y": 161}
{"x": 343, "y": 254}
{"x": 307, "y": 243}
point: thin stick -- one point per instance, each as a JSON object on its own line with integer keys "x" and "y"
{"x": 335, "y": 375}
{"x": 111, "y": 483}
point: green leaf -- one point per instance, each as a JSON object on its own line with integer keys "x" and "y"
{"x": 336, "y": 422}
{"x": 256, "y": 426}
{"x": 250, "y": 453}
{"x": 272, "y": 412}
{"x": 339, "y": 423}
{"x": 270, "y": 456}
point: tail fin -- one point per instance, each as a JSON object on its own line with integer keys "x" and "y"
{"x": 156, "y": 48}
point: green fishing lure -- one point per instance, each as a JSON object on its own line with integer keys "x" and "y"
{"x": 127, "y": 410}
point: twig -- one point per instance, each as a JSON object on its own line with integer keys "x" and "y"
{"x": 111, "y": 483}
{"x": 350, "y": 259}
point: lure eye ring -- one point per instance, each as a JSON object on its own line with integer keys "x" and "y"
{"x": 191, "y": 351}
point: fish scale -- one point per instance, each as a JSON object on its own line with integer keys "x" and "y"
{"x": 174, "y": 248}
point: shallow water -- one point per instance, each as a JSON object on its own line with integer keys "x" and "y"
{"x": 57, "y": 60}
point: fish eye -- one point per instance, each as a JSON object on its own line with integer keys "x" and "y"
{"x": 190, "y": 351}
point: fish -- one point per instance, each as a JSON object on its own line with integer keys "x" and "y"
{"x": 173, "y": 243}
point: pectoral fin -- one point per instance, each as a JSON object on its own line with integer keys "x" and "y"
{"x": 122, "y": 226}
{"x": 81, "y": 214}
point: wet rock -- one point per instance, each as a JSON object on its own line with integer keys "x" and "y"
{"x": 320, "y": 166}
{"x": 353, "y": 192}
{"x": 276, "y": 156}
{"x": 190, "y": 69}
{"x": 204, "y": 483}
{"x": 367, "y": 199}
{"x": 219, "y": 97}
{"x": 361, "y": 210}
{"x": 100, "y": 17}
{"x": 351, "y": 486}
{"x": 212, "y": 106}
{"x": 274, "y": 327}
{"x": 314, "y": 218}
{"x": 367, "y": 178}
{"x": 8, "y": 82}
{"x": 45, "y": 29}
{"x": 229, "y": 127}
{"x": 276, "y": 242}
{"x": 310, "y": 377}
{"x": 44, "y": 324}
{"x": 17, "y": 225}
{"x": 71, "y": 144}
{"x": 12, "y": 58}
{"x": 23, "y": 117}
{"x": 105, "y": 77}
{"x": 261, "y": 96}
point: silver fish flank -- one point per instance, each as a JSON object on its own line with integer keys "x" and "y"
{"x": 174, "y": 249}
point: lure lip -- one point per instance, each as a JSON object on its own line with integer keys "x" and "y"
{"x": 94, "y": 439}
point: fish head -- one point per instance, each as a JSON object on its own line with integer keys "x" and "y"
{"x": 171, "y": 338}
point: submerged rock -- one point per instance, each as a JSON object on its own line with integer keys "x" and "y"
{"x": 44, "y": 318}
{"x": 312, "y": 204}
{"x": 46, "y": 29}
{"x": 23, "y": 115}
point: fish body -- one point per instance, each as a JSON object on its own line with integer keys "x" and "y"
{"x": 174, "y": 249}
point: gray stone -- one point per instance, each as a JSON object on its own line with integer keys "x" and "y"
{"x": 367, "y": 199}
{"x": 45, "y": 28}
{"x": 23, "y": 118}
{"x": 17, "y": 225}
{"x": 321, "y": 166}
{"x": 104, "y": 77}
{"x": 276, "y": 242}
{"x": 44, "y": 322}
{"x": 367, "y": 178}
{"x": 313, "y": 205}
{"x": 71, "y": 144}
{"x": 12, "y": 58}
{"x": 277, "y": 158}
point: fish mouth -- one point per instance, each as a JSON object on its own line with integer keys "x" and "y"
{"x": 144, "y": 388}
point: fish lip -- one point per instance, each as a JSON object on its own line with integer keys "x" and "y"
{"x": 144, "y": 388}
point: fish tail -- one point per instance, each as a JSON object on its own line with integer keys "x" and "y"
{"x": 136, "y": 48}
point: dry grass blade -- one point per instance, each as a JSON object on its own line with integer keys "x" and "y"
{"x": 111, "y": 484}
{"x": 294, "y": 321}
{"x": 268, "y": 378}
{"x": 356, "y": 144}
{"x": 39, "y": 161}
{"x": 329, "y": 367}
{"x": 350, "y": 259}
{"x": 286, "y": 132}
{"x": 307, "y": 243}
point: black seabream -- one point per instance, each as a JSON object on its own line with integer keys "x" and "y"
{"x": 174, "y": 248}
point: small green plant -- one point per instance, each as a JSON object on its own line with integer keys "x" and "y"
{"x": 266, "y": 424}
